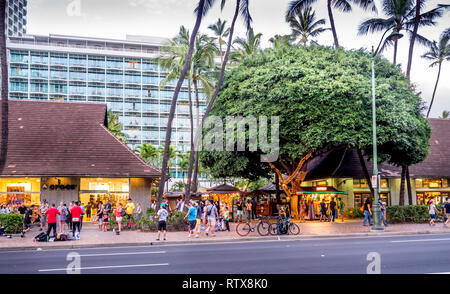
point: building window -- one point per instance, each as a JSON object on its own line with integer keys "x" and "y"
{"x": 431, "y": 183}
{"x": 16, "y": 191}
{"x": 360, "y": 183}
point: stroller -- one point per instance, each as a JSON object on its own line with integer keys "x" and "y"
{"x": 220, "y": 225}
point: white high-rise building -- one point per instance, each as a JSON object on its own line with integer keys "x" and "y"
{"x": 16, "y": 17}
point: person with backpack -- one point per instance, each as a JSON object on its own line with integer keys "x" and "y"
{"x": 210, "y": 215}
{"x": 52, "y": 212}
{"x": 382, "y": 211}
{"x": 76, "y": 218}
{"x": 62, "y": 216}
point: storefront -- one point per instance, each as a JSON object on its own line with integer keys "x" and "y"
{"x": 73, "y": 158}
{"x": 436, "y": 189}
{"x": 226, "y": 195}
{"x": 313, "y": 196}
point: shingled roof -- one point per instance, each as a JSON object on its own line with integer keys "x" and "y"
{"x": 436, "y": 165}
{"x": 67, "y": 139}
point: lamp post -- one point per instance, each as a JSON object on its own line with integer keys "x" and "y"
{"x": 376, "y": 206}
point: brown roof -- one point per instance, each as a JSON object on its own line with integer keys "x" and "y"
{"x": 223, "y": 189}
{"x": 436, "y": 165}
{"x": 67, "y": 139}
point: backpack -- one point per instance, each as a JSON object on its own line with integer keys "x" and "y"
{"x": 209, "y": 211}
{"x": 42, "y": 237}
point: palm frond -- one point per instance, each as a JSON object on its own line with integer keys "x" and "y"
{"x": 375, "y": 25}
{"x": 297, "y": 5}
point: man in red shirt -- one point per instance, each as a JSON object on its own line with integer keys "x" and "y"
{"x": 76, "y": 217}
{"x": 52, "y": 212}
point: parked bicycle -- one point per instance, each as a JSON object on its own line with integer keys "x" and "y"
{"x": 284, "y": 226}
{"x": 262, "y": 227}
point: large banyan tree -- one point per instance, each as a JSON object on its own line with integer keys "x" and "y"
{"x": 322, "y": 97}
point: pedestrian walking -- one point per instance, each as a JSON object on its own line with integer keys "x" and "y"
{"x": 367, "y": 209}
{"x": 43, "y": 209}
{"x": 341, "y": 209}
{"x": 129, "y": 209}
{"x": 76, "y": 219}
{"x": 239, "y": 210}
{"x": 118, "y": 215}
{"x": 226, "y": 218}
{"x": 162, "y": 218}
{"x": 333, "y": 209}
{"x": 199, "y": 215}
{"x": 323, "y": 210}
{"x": 210, "y": 216}
{"x": 62, "y": 216}
{"x": 99, "y": 215}
{"x": 446, "y": 208}
{"x": 382, "y": 211}
{"x": 191, "y": 216}
{"x": 432, "y": 212}
{"x": 51, "y": 213}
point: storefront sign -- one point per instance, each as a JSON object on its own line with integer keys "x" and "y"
{"x": 59, "y": 186}
{"x": 321, "y": 189}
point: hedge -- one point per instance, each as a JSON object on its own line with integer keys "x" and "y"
{"x": 147, "y": 222}
{"x": 409, "y": 214}
{"x": 12, "y": 222}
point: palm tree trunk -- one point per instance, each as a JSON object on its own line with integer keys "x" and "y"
{"x": 435, "y": 87}
{"x": 401, "y": 199}
{"x": 333, "y": 27}
{"x": 408, "y": 185}
{"x": 173, "y": 105}
{"x": 195, "y": 176}
{"x": 4, "y": 91}
{"x": 220, "y": 48}
{"x": 187, "y": 189}
{"x": 219, "y": 82}
{"x": 413, "y": 37}
{"x": 395, "y": 51}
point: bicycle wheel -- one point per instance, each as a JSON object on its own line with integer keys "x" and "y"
{"x": 263, "y": 228}
{"x": 273, "y": 229}
{"x": 243, "y": 229}
{"x": 294, "y": 229}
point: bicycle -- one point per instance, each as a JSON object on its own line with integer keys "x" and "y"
{"x": 262, "y": 227}
{"x": 282, "y": 227}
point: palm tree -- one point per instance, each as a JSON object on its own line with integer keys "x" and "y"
{"x": 201, "y": 10}
{"x": 437, "y": 54}
{"x": 341, "y": 5}
{"x": 400, "y": 17}
{"x": 445, "y": 114}
{"x": 281, "y": 40}
{"x": 221, "y": 32}
{"x": 304, "y": 25}
{"x": 114, "y": 126}
{"x": 149, "y": 154}
{"x": 417, "y": 19}
{"x": 4, "y": 91}
{"x": 247, "y": 47}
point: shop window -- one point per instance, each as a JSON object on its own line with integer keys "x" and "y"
{"x": 424, "y": 198}
{"x": 384, "y": 183}
{"x": 445, "y": 183}
{"x": 430, "y": 183}
{"x": 360, "y": 183}
{"x": 14, "y": 192}
{"x": 419, "y": 183}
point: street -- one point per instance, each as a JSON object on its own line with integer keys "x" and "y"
{"x": 409, "y": 254}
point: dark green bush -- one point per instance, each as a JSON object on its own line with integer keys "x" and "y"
{"x": 12, "y": 222}
{"x": 353, "y": 213}
{"x": 407, "y": 214}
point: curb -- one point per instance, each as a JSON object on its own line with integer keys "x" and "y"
{"x": 212, "y": 240}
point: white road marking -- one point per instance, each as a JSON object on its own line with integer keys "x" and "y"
{"x": 122, "y": 253}
{"x": 444, "y": 273}
{"x": 419, "y": 240}
{"x": 104, "y": 267}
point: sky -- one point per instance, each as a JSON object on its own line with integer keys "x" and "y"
{"x": 162, "y": 18}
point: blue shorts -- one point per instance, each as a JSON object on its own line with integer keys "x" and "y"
{"x": 433, "y": 216}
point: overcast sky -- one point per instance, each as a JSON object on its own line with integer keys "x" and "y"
{"x": 117, "y": 18}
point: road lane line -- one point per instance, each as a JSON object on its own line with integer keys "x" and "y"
{"x": 420, "y": 240}
{"x": 122, "y": 253}
{"x": 443, "y": 273}
{"x": 104, "y": 267}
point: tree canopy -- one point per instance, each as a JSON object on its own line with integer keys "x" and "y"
{"x": 322, "y": 97}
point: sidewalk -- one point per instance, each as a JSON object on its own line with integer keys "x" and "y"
{"x": 91, "y": 237}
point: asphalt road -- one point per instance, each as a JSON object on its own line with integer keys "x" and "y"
{"x": 412, "y": 254}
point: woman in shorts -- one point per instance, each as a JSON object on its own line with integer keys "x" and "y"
{"x": 432, "y": 211}
{"x": 118, "y": 215}
{"x": 99, "y": 215}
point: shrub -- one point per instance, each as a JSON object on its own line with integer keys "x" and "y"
{"x": 353, "y": 213}
{"x": 12, "y": 222}
{"x": 150, "y": 211}
{"x": 407, "y": 214}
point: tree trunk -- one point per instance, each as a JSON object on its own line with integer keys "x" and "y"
{"x": 4, "y": 91}
{"x": 277, "y": 189}
{"x": 222, "y": 72}
{"x": 333, "y": 27}
{"x": 408, "y": 185}
{"x": 187, "y": 188}
{"x": 173, "y": 105}
{"x": 395, "y": 51}
{"x": 435, "y": 87}
{"x": 195, "y": 176}
{"x": 401, "y": 199}
{"x": 365, "y": 171}
{"x": 413, "y": 38}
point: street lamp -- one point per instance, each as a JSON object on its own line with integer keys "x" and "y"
{"x": 376, "y": 206}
